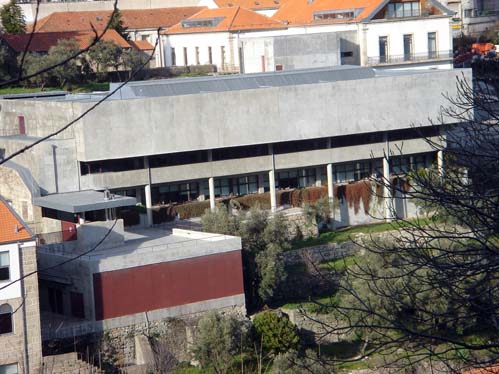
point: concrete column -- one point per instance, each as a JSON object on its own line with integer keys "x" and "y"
{"x": 273, "y": 200}
{"x": 440, "y": 163}
{"x": 330, "y": 187}
{"x": 81, "y": 219}
{"x": 261, "y": 182}
{"x": 211, "y": 186}
{"x": 147, "y": 193}
{"x": 386, "y": 190}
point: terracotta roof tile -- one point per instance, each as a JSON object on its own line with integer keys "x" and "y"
{"x": 132, "y": 19}
{"x": 43, "y": 41}
{"x": 301, "y": 12}
{"x": 226, "y": 19}
{"x": 250, "y": 4}
{"x": 12, "y": 228}
{"x": 488, "y": 370}
{"x": 141, "y": 45}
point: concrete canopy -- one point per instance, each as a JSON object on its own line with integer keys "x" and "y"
{"x": 83, "y": 201}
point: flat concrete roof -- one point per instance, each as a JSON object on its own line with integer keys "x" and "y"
{"x": 82, "y": 201}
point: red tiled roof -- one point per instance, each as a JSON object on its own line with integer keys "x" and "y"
{"x": 488, "y": 370}
{"x": 301, "y": 12}
{"x": 43, "y": 41}
{"x": 250, "y": 4}
{"x": 141, "y": 45}
{"x": 230, "y": 19}
{"x": 132, "y": 19}
{"x": 12, "y": 228}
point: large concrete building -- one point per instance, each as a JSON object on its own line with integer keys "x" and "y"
{"x": 203, "y": 138}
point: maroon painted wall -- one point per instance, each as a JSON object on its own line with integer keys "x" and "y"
{"x": 143, "y": 288}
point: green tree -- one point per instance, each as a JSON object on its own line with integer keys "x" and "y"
{"x": 69, "y": 72}
{"x": 105, "y": 55}
{"x": 12, "y": 18}
{"x": 217, "y": 340}
{"x": 8, "y": 65}
{"x": 63, "y": 74}
{"x": 275, "y": 333}
{"x": 133, "y": 60}
{"x": 116, "y": 23}
{"x": 430, "y": 291}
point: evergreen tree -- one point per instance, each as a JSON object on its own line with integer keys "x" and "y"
{"x": 12, "y": 17}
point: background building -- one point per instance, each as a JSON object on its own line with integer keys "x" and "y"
{"x": 20, "y": 337}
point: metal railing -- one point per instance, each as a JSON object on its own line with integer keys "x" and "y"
{"x": 409, "y": 58}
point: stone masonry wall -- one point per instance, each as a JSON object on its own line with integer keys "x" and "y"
{"x": 117, "y": 347}
{"x": 26, "y": 320}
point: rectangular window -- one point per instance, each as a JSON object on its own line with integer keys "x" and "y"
{"x": 186, "y": 62}
{"x": 197, "y": 55}
{"x": 383, "y": 49}
{"x": 9, "y": 369}
{"x": 4, "y": 266}
{"x": 432, "y": 45}
{"x": 6, "y": 326}
{"x": 210, "y": 56}
{"x": 56, "y": 300}
{"x": 408, "y": 47}
{"x": 77, "y": 305}
{"x": 174, "y": 57}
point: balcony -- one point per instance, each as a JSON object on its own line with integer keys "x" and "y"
{"x": 409, "y": 58}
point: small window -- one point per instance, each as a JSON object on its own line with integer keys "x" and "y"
{"x": 278, "y": 68}
{"x": 6, "y": 319}
{"x": 4, "y": 266}
{"x": 210, "y": 56}
{"x": 9, "y": 369}
{"x": 174, "y": 57}
{"x": 185, "y": 57}
{"x": 197, "y": 55}
{"x": 56, "y": 301}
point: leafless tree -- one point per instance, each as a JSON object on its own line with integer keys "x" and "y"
{"x": 427, "y": 293}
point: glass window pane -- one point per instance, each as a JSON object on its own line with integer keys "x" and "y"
{"x": 399, "y": 10}
{"x": 4, "y": 259}
{"x": 407, "y": 9}
{"x": 391, "y": 10}
{"x": 415, "y": 9}
{"x": 8, "y": 369}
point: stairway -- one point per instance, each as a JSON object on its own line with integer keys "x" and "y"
{"x": 68, "y": 363}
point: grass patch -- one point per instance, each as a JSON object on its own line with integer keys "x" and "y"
{"x": 23, "y": 90}
{"x": 343, "y": 235}
{"x": 317, "y": 305}
{"x": 75, "y": 88}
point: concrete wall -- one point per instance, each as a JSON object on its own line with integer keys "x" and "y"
{"x": 291, "y": 52}
{"x": 193, "y": 122}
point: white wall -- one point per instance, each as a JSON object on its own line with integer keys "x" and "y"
{"x": 14, "y": 290}
{"x": 215, "y": 40}
{"x": 419, "y": 28}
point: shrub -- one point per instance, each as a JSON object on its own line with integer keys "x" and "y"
{"x": 249, "y": 201}
{"x": 275, "y": 332}
{"x": 217, "y": 340}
